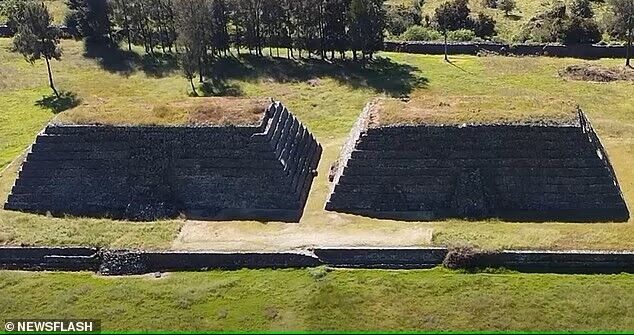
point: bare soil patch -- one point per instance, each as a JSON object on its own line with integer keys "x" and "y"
{"x": 595, "y": 73}
{"x": 213, "y": 111}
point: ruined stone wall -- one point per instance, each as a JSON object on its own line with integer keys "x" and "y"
{"x": 586, "y": 51}
{"x": 126, "y": 262}
{"x": 513, "y": 172}
{"x": 144, "y": 173}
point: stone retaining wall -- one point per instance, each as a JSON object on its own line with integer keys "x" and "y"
{"x": 586, "y": 51}
{"x": 127, "y": 262}
{"x": 512, "y": 172}
{"x": 145, "y": 173}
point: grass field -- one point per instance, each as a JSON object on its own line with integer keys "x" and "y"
{"x": 327, "y": 98}
{"x": 313, "y": 299}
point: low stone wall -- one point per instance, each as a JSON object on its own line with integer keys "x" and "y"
{"x": 128, "y": 262}
{"x": 144, "y": 173}
{"x": 512, "y": 172}
{"x": 49, "y": 259}
{"x": 586, "y": 51}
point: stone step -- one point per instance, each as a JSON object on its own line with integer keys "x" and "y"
{"x": 471, "y": 154}
{"x": 479, "y": 163}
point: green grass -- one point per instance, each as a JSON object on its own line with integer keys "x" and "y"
{"x": 370, "y": 300}
{"x": 328, "y": 99}
{"x": 507, "y": 27}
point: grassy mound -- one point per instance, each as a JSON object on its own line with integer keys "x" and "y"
{"x": 191, "y": 111}
{"x": 591, "y": 72}
{"x": 455, "y": 110}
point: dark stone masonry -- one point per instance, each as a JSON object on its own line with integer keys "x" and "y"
{"x": 145, "y": 173}
{"x": 511, "y": 172}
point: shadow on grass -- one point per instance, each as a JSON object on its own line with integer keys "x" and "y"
{"x": 380, "y": 74}
{"x": 116, "y": 60}
{"x": 219, "y": 87}
{"x": 65, "y": 101}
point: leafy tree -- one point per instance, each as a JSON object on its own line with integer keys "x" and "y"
{"x": 450, "y": 16}
{"x": 366, "y": 26}
{"x": 581, "y": 9}
{"x": 190, "y": 19}
{"x": 13, "y": 10}
{"x": 36, "y": 38}
{"x": 335, "y": 26}
{"x": 507, "y": 6}
{"x": 188, "y": 60}
{"x": 561, "y": 23}
{"x": 484, "y": 26}
{"x": 220, "y": 22}
{"x": 621, "y": 23}
{"x": 399, "y": 17}
{"x": 92, "y": 18}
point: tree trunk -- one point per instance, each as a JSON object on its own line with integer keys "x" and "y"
{"x": 191, "y": 82}
{"x": 628, "y": 49}
{"x": 50, "y": 77}
{"x": 446, "y": 57}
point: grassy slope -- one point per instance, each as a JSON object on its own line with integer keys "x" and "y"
{"x": 507, "y": 26}
{"x": 329, "y": 106}
{"x": 339, "y": 300}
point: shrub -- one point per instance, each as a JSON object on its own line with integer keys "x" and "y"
{"x": 490, "y": 3}
{"x": 419, "y": 33}
{"x": 578, "y": 30}
{"x": 507, "y": 6}
{"x": 484, "y": 26}
{"x": 461, "y": 258}
{"x": 400, "y": 17}
{"x": 461, "y": 35}
{"x": 562, "y": 24}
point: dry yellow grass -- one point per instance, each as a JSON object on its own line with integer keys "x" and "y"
{"x": 433, "y": 109}
{"x": 191, "y": 111}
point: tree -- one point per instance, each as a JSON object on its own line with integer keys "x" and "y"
{"x": 621, "y": 24}
{"x": 366, "y": 26}
{"x": 581, "y": 9}
{"x": 188, "y": 61}
{"x": 452, "y": 15}
{"x": 93, "y": 18}
{"x": 36, "y": 38}
{"x": 484, "y": 26}
{"x": 507, "y": 6}
{"x": 13, "y": 10}
{"x": 219, "y": 22}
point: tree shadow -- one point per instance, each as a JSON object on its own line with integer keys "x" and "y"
{"x": 65, "y": 101}
{"x": 381, "y": 74}
{"x": 113, "y": 59}
{"x": 458, "y": 67}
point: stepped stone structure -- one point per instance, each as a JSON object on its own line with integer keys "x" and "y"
{"x": 256, "y": 172}
{"x": 518, "y": 172}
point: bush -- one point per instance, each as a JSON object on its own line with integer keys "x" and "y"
{"x": 461, "y": 258}
{"x": 461, "y": 35}
{"x": 484, "y": 26}
{"x": 419, "y": 33}
{"x": 490, "y": 3}
{"x": 582, "y": 31}
{"x": 562, "y": 24}
{"x": 400, "y": 17}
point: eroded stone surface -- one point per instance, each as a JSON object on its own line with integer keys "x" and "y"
{"x": 515, "y": 172}
{"x": 259, "y": 172}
